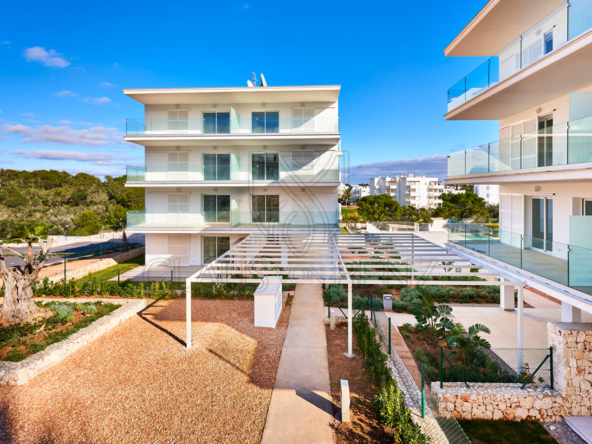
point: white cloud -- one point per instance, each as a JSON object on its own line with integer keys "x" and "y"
{"x": 64, "y": 93}
{"x": 97, "y": 100}
{"x": 49, "y": 58}
{"x": 5, "y": 42}
{"x": 106, "y": 84}
{"x": 93, "y": 136}
{"x": 430, "y": 166}
{"x": 93, "y": 158}
{"x": 69, "y": 122}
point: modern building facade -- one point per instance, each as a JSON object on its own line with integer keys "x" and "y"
{"x": 222, "y": 163}
{"x": 407, "y": 189}
{"x": 359, "y": 191}
{"x": 489, "y": 193}
{"x": 537, "y": 84}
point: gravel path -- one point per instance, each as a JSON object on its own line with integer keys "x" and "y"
{"x": 138, "y": 383}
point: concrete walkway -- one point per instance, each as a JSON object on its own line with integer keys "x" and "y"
{"x": 300, "y": 409}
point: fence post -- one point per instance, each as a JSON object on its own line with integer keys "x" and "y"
{"x": 101, "y": 251}
{"x": 64, "y": 271}
{"x": 441, "y": 367}
{"x": 389, "y": 320}
{"x": 171, "y": 279}
{"x": 118, "y": 282}
{"x": 371, "y": 306}
{"x": 551, "y": 365}
{"x": 329, "y": 305}
{"x": 422, "y": 392}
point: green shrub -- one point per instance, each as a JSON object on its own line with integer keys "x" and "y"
{"x": 467, "y": 294}
{"x": 63, "y": 312}
{"x": 399, "y": 306}
{"x": 89, "y": 308}
{"x": 337, "y": 293}
{"x": 357, "y": 301}
{"x": 409, "y": 295}
{"x": 452, "y": 293}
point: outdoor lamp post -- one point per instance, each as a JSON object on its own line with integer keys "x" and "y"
{"x": 66, "y": 231}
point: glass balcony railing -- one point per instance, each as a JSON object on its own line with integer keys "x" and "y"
{"x": 562, "y": 144}
{"x": 234, "y": 172}
{"x": 566, "y": 264}
{"x": 566, "y": 23}
{"x": 233, "y": 218}
{"x": 202, "y": 126}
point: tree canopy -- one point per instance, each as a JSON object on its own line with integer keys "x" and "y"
{"x": 461, "y": 206}
{"x": 379, "y": 208}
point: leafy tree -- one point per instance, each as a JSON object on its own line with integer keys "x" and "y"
{"x": 493, "y": 211}
{"x": 18, "y": 305}
{"x": 347, "y": 193}
{"x": 87, "y": 224}
{"x": 467, "y": 342}
{"x": 379, "y": 208}
{"x": 432, "y": 319}
{"x": 462, "y": 206}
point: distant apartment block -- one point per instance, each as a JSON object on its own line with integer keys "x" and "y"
{"x": 490, "y": 193}
{"x": 417, "y": 191}
{"x": 222, "y": 163}
{"x": 359, "y": 191}
{"x": 537, "y": 83}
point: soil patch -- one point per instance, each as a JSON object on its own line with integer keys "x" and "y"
{"x": 506, "y": 432}
{"x": 365, "y": 423}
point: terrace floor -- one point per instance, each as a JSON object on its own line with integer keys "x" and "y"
{"x": 138, "y": 383}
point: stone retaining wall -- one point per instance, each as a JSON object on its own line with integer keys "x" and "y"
{"x": 499, "y": 401}
{"x": 18, "y": 373}
{"x": 572, "y": 372}
{"x": 85, "y": 270}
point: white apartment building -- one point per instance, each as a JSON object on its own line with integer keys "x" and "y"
{"x": 358, "y": 192}
{"x": 222, "y": 163}
{"x": 407, "y": 189}
{"x": 537, "y": 83}
{"x": 490, "y": 193}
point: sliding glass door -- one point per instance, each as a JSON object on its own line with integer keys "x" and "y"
{"x": 216, "y": 166}
{"x": 214, "y": 247}
{"x": 542, "y": 224}
{"x": 265, "y": 209}
{"x": 265, "y": 166}
{"x": 216, "y": 208}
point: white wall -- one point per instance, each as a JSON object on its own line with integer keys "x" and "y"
{"x": 488, "y": 192}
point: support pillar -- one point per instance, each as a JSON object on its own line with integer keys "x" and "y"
{"x": 520, "y": 344}
{"x": 507, "y": 297}
{"x": 350, "y": 320}
{"x": 188, "y": 312}
{"x": 569, "y": 313}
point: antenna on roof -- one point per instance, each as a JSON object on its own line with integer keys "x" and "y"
{"x": 252, "y": 80}
{"x": 263, "y": 81}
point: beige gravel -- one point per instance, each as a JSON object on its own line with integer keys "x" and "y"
{"x": 139, "y": 384}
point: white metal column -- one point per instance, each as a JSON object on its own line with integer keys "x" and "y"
{"x": 520, "y": 325}
{"x": 507, "y": 297}
{"x": 188, "y": 312}
{"x": 350, "y": 315}
{"x": 569, "y": 313}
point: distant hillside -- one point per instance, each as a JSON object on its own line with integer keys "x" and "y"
{"x": 84, "y": 202}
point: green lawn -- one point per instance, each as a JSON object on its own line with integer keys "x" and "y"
{"x": 506, "y": 432}
{"x": 111, "y": 272}
{"x": 344, "y": 230}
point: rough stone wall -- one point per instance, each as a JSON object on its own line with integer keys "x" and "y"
{"x": 85, "y": 270}
{"x": 499, "y": 401}
{"x": 572, "y": 370}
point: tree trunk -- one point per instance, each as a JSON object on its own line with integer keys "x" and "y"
{"x": 18, "y": 305}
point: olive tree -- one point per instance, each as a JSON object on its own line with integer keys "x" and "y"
{"x": 18, "y": 305}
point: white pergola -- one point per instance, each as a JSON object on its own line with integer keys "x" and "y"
{"x": 329, "y": 257}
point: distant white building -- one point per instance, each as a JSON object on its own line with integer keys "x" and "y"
{"x": 358, "y": 192}
{"x": 453, "y": 190}
{"x": 407, "y": 189}
{"x": 488, "y": 192}
{"x": 340, "y": 190}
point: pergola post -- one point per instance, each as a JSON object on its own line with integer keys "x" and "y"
{"x": 350, "y": 346}
{"x": 188, "y": 312}
{"x": 506, "y": 297}
{"x": 520, "y": 326}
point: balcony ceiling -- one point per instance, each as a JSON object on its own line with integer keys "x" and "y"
{"x": 562, "y": 72}
{"x": 235, "y": 140}
{"x": 269, "y": 94}
{"x": 498, "y": 24}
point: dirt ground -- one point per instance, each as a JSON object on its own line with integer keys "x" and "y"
{"x": 365, "y": 423}
{"x": 138, "y": 383}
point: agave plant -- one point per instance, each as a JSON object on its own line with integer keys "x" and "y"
{"x": 467, "y": 341}
{"x": 432, "y": 319}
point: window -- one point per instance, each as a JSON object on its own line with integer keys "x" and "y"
{"x": 216, "y": 123}
{"x": 266, "y": 209}
{"x": 216, "y": 166}
{"x": 587, "y": 207}
{"x": 217, "y": 208}
{"x": 265, "y": 122}
{"x": 265, "y": 166}
{"x": 178, "y": 120}
{"x": 303, "y": 120}
{"x": 178, "y": 249}
{"x": 548, "y": 38}
{"x": 178, "y": 166}
{"x": 214, "y": 247}
{"x": 178, "y": 203}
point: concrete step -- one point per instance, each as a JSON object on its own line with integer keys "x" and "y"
{"x": 582, "y": 425}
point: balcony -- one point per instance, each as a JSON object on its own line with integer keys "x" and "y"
{"x": 565, "y": 264}
{"x": 143, "y": 220}
{"x": 232, "y": 125}
{"x": 232, "y": 172}
{"x": 554, "y": 32}
{"x": 563, "y": 144}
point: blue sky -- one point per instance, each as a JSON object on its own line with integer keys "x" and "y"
{"x": 63, "y": 66}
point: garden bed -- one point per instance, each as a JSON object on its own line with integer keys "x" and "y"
{"x": 364, "y": 425}
{"x": 18, "y": 341}
{"x": 506, "y": 432}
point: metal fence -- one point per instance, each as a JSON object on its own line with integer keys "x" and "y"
{"x": 437, "y": 426}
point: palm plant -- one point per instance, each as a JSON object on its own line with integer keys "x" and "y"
{"x": 467, "y": 341}
{"x": 432, "y": 319}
